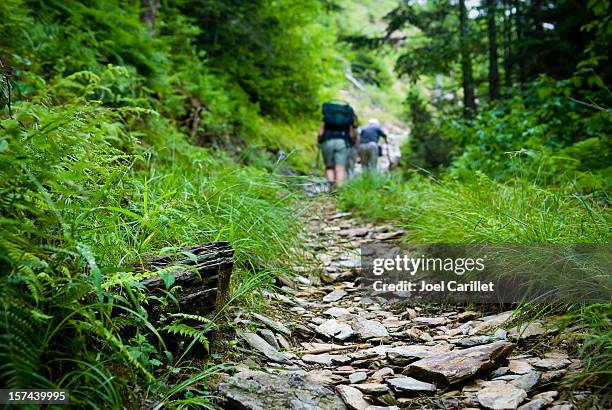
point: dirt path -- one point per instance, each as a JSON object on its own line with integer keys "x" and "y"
{"x": 325, "y": 343}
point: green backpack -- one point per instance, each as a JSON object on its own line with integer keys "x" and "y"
{"x": 338, "y": 115}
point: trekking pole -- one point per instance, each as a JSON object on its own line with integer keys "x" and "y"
{"x": 389, "y": 155}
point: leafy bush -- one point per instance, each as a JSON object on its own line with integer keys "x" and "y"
{"x": 558, "y": 138}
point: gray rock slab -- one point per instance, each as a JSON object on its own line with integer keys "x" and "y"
{"x": 352, "y": 397}
{"x": 410, "y": 385}
{"x": 536, "y": 404}
{"x": 269, "y": 337}
{"x": 358, "y": 377}
{"x": 458, "y": 365}
{"x": 501, "y": 396}
{"x": 368, "y": 329}
{"x": 552, "y": 363}
{"x": 527, "y": 381}
{"x": 334, "y": 329}
{"x": 263, "y": 347}
{"x": 334, "y": 296}
{"x": 336, "y": 311}
{"x": 372, "y": 388}
{"x": 402, "y": 355}
{"x": 431, "y": 321}
{"x": 272, "y": 324}
{"x": 257, "y": 390}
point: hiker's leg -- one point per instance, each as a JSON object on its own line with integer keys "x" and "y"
{"x": 374, "y": 159}
{"x": 340, "y": 174}
{"x": 372, "y": 156}
{"x": 340, "y": 160}
{"x": 363, "y": 156}
{"x": 327, "y": 149}
{"x": 351, "y": 161}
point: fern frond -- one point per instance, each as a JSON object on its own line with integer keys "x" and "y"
{"x": 186, "y": 331}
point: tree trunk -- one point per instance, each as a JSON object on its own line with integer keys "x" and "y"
{"x": 469, "y": 103}
{"x": 520, "y": 40}
{"x": 493, "y": 66}
{"x": 438, "y": 92}
{"x": 148, "y": 14}
{"x": 508, "y": 44}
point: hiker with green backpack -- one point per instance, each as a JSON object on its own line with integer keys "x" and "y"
{"x": 336, "y": 135}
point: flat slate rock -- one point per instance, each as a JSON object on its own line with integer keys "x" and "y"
{"x": 324, "y": 377}
{"x": 535, "y": 404}
{"x": 527, "y": 381}
{"x": 352, "y": 397}
{"x": 334, "y": 296}
{"x": 257, "y": 390}
{"x": 402, "y": 355}
{"x": 372, "y": 388}
{"x": 336, "y": 311}
{"x": 455, "y": 366}
{"x": 410, "y": 385}
{"x": 324, "y": 359}
{"x": 272, "y": 324}
{"x": 358, "y": 377}
{"x": 472, "y": 341}
{"x": 269, "y": 337}
{"x": 519, "y": 367}
{"x": 334, "y": 329}
{"x": 263, "y": 347}
{"x": 368, "y": 329}
{"x": 552, "y": 363}
{"x": 431, "y": 321}
{"x": 501, "y": 396}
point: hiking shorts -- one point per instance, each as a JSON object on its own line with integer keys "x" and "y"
{"x": 335, "y": 152}
{"x": 368, "y": 153}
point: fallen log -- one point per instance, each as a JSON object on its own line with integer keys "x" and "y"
{"x": 197, "y": 276}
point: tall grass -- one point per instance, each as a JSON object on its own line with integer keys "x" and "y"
{"x": 481, "y": 210}
{"x": 86, "y": 193}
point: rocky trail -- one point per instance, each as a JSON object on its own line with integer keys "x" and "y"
{"x": 324, "y": 343}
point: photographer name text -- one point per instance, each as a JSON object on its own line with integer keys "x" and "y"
{"x": 442, "y": 286}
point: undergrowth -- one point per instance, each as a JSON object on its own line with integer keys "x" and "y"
{"x": 87, "y": 192}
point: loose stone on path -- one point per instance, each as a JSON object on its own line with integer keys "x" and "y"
{"x": 501, "y": 396}
{"x": 335, "y": 295}
{"x": 410, "y": 385}
{"x": 259, "y": 344}
{"x": 455, "y": 366}
{"x": 334, "y": 329}
{"x": 367, "y": 329}
{"x": 352, "y": 397}
{"x": 257, "y": 390}
{"x": 273, "y": 324}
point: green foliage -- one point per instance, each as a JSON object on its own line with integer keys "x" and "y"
{"x": 369, "y": 69}
{"x": 99, "y": 171}
{"x": 86, "y": 192}
{"x": 277, "y": 51}
{"x": 185, "y": 330}
{"x": 558, "y": 138}
{"x": 426, "y": 149}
